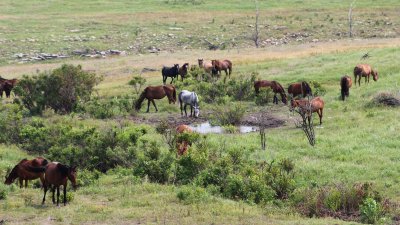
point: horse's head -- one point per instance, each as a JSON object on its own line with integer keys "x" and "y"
{"x": 11, "y": 176}
{"x": 375, "y": 75}
{"x": 201, "y": 61}
{"x": 72, "y": 174}
{"x": 176, "y": 66}
{"x": 293, "y": 104}
{"x": 196, "y": 111}
{"x": 284, "y": 99}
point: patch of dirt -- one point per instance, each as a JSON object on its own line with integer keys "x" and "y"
{"x": 269, "y": 121}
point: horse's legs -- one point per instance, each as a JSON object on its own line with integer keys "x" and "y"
{"x": 21, "y": 182}
{"x": 58, "y": 195}
{"x": 172, "y": 79}
{"x": 53, "y": 190}
{"x": 359, "y": 81}
{"x": 191, "y": 111}
{"x": 44, "y": 196}
{"x": 164, "y": 79}
{"x": 275, "y": 99}
{"x": 185, "y": 109}
{"x": 154, "y": 103}
{"x": 180, "y": 103}
{"x": 26, "y": 183}
{"x": 148, "y": 105}
{"x": 65, "y": 194}
{"x": 320, "y": 116}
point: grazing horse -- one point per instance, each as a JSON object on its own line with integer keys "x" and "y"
{"x": 6, "y": 86}
{"x": 345, "y": 85}
{"x": 170, "y": 72}
{"x": 183, "y": 70}
{"x": 23, "y": 171}
{"x": 189, "y": 98}
{"x": 156, "y": 92}
{"x": 183, "y": 145}
{"x": 275, "y": 86}
{"x": 57, "y": 174}
{"x": 300, "y": 88}
{"x": 317, "y": 105}
{"x": 364, "y": 70}
{"x": 224, "y": 65}
{"x": 207, "y": 66}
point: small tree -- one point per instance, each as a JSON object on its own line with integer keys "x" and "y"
{"x": 256, "y": 37}
{"x": 137, "y": 82}
{"x": 262, "y": 121}
{"x": 351, "y": 18}
{"x": 306, "y": 122}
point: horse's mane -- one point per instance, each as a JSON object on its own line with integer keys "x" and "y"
{"x": 142, "y": 96}
{"x": 63, "y": 169}
{"x": 307, "y": 87}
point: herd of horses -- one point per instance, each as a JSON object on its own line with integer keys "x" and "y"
{"x": 53, "y": 174}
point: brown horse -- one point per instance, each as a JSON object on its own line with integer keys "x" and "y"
{"x": 57, "y": 174}
{"x": 156, "y": 92}
{"x": 183, "y": 70}
{"x": 275, "y": 86}
{"x": 300, "y": 88}
{"x": 364, "y": 70}
{"x": 224, "y": 65}
{"x": 23, "y": 171}
{"x": 6, "y": 86}
{"x": 317, "y": 105}
{"x": 207, "y": 66}
{"x": 345, "y": 85}
{"x": 183, "y": 146}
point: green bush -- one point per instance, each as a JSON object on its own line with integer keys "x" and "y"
{"x": 190, "y": 165}
{"x": 264, "y": 96}
{"x": 87, "y": 177}
{"x": 60, "y": 89}
{"x": 11, "y": 121}
{"x": 70, "y": 197}
{"x": 370, "y": 211}
{"x": 228, "y": 114}
{"x": 192, "y": 194}
{"x": 280, "y": 177}
{"x": 3, "y": 192}
{"x": 317, "y": 88}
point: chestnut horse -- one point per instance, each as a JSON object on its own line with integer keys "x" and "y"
{"x": 183, "y": 146}
{"x": 300, "y": 88}
{"x": 57, "y": 174}
{"x": 317, "y": 105}
{"x": 224, "y": 65}
{"x": 275, "y": 86}
{"x": 156, "y": 92}
{"x": 207, "y": 66}
{"x": 23, "y": 171}
{"x": 364, "y": 70}
{"x": 345, "y": 85}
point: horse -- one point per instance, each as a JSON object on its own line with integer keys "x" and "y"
{"x": 345, "y": 84}
{"x": 23, "y": 171}
{"x": 6, "y": 86}
{"x": 275, "y": 86}
{"x": 156, "y": 92}
{"x": 207, "y": 66}
{"x": 170, "y": 72}
{"x": 57, "y": 174}
{"x": 189, "y": 98}
{"x": 224, "y": 65}
{"x": 364, "y": 70}
{"x": 317, "y": 105}
{"x": 300, "y": 88}
{"x": 183, "y": 146}
{"x": 183, "y": 70}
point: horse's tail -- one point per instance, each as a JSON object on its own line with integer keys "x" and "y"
{"x": 142, "y": 96}
{"x": 33, "y": 169}
{"x": 306, "y": 88}
{"x": 344, "y": 84}
{"x": 174, "y": 93}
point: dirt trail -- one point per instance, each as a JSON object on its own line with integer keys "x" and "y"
{"x": 114, "y": 66}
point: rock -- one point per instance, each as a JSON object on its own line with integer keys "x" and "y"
{"x": 315, "y": 40}
{"x": 170, "y": 35}
{"x": 175, "y": 28}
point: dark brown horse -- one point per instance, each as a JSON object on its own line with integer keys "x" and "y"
{"x": 156, "y": 92}
{"x": 364, "y": 70}
{"x": 6, "y": 86}
{"x": 57, "y": 174}
{"x": 300, "y": 88}
{"x": 183, "y": 70}
{"x": 317, "y": 105}
{"x": 224, "y": 65}
{"x": 275, "y": 86}
{"x": 24, "y": 172}
{"x": 345, "y": 85}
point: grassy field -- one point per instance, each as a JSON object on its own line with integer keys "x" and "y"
{"x": 358, "y": 141}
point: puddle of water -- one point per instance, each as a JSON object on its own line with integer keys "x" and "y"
{"x": 205, "y": 128}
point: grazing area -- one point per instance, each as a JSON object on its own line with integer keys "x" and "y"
{"x": 251, "y": 151}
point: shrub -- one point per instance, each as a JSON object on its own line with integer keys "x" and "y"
{"x": 192, "y": 194}
{"x": 60, "y": 89}
{"x": 137, "y": 82}
{"x": 189, "y": 165}
{"x": 370, "y": 211}
{"x": 3, "y": 192}
{"x": 228, "y": 114}
{"x": 87, "y": 177}
{"x": 280, "y": 177}
{"x": 70, "y": 197}
{"x": 241, "y": 88}
{"x": 11, "y": 121}
{"x": 386, "y": 99}
{"x": 264, "y": 96}
{"x": 317, "y": 88}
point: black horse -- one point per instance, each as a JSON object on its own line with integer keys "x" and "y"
{"x": 170, "y": 72}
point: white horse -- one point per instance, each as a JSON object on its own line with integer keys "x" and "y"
{"x": 189, "y": 98}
